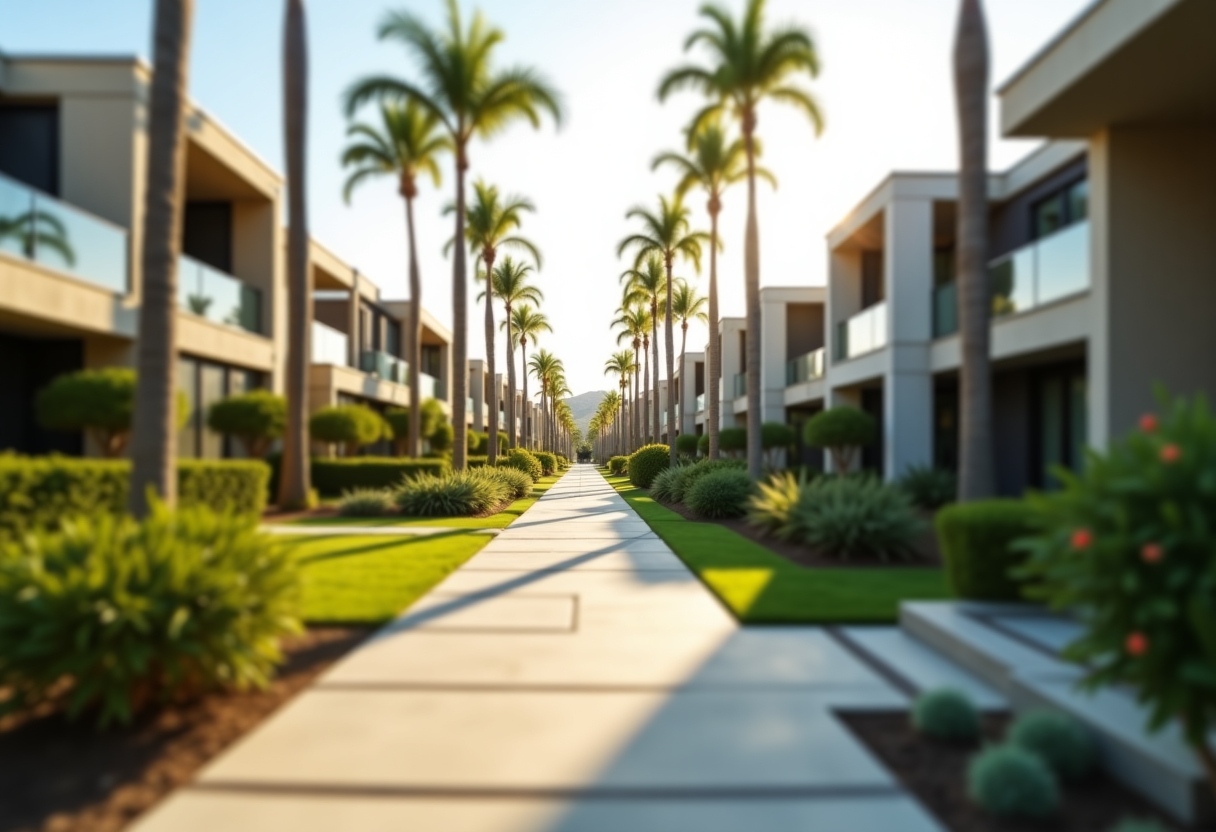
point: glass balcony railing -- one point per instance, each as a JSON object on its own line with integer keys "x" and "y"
{"x": 740, "y": 385}
{"x": 52, "y": 233}
{"x": 700, "y": 402}
{"x": 1048, "y": 269}
{"x": 383, "y": 365}
{"x": 864, "y": 332}
{"x": 209, "y": 293}
{"x": 804, "y": 367}
{"x": 329, "y": 346}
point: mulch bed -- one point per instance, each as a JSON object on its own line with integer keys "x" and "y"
{"x": 935, "y": 772}
{"x": 927, "y": 553}
{"x": 57, "y": 776}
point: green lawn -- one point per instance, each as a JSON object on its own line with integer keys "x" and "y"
{"x": 760, "y": 586}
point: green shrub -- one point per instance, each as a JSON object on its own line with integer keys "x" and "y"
{"x": 776, "y": 437}
{"x": 703, "y": 444}
{"x": 946, "y": 714}
{"x": 331, "y": 477}
{"x": 930, "y": 488}
{"x": 854, "y": 515}
{"x": 476, "y": 461}
{"x": 976, "y": 544}
{"x": 38, "y": 493}
{"x": 663, "y": 486}
{"x": 478, "y": 443}
{"x": 1062, "y": 742}
{"x": 350, "y": 425}
{"x": 548, "y": 462}
{"x": 398, "y": 418}
{"x": 720, "y": 494}
{"x": 618, "y": 465}
{"x": 99, "y": 402}
{"x": 842, "y": 430}
{"x": 648, "y": 462}
{"x": 256, "y": 418}
{"x": 732, "y": 441}
{"x": 365, "y": 502}
{"x": 442, "y": 438}
{"x": 523, "y": 460}
{"x": 110, "y": 614}
{"x": 456, "y": 494}
{"x": 520, "y": 482}
{"x": 689, "y": 474}
{"x": 686, "y": 444}
{"x": 770, "y": 509}
{"x": 1008, "y": 782}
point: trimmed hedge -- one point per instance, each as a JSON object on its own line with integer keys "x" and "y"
{"x": 975, "y": 541}
{"x": 686, "y": 444}
{"x": 647, "y": 463}
{"x": 331, "y": 477}
{"x": 37, "y": 493}
{"x": 548, "y": 462}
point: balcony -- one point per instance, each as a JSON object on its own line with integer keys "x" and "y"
{"x": 1046, "y": 270}
{"x": 864, "y": 332}
{"x": 740, "y": 385}
{"x": 804, "y": 367}
{"x": 385, "y": 366}
{"x": 218, "y": 297}
{"x": 59, "y": 236}
{"x": 329, "y": 346}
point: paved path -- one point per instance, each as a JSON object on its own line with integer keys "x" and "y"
{"x": 574, "y": 676}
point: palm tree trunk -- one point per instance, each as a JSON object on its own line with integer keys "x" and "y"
{"x": 683, "y": 347}
{"x": 713, "y": 404}
{"x": 460, "y": 324}
{"x": 413, "y": 352}
{"x": 669, "y": 350}
{"x": 154, "y": 429}
{"x": 646, "y": 393}
{"x": 751, "y": 274}
{"x": 654, "y": 330}
{"x": 488, "y": 259}
{"x": 976, "y": 477}
{"x": 511, "y": 435}
{"x": 638, "y": 428}
{"x": 523, "y": 347}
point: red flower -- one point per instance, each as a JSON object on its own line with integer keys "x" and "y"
{"x": 1148, "y": 423}
{"x": 1081, "y": 539}
{"x": 1152, "y": 552}
{"x": 1170, "y": 453}
{"x": 1136, "y": 644}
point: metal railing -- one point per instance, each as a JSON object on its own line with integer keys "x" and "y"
{"x": 804, "y": 367}
{"x": 864, "y": 332}
{"x": 50, "y": 232}
{"x": 329, "y": 346}
{"x": 209, "y": 293}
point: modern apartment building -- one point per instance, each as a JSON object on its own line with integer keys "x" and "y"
{"x": 72, "y": 153}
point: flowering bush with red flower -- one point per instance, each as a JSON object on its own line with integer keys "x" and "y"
{"x": 1130, "y": 544}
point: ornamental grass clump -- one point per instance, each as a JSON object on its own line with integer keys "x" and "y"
{"x": 458, "y": 494}
{"x": 647, "y": 463}
{"x": 519, "y": 482}
{"x": 365, "y": 502}
{"x": 720, "y": 494}
{"x": 1010, "y": 782}
{"x": 857, "y": 515}
{"x": 1062, "y": 742}
{"x": 663, "y": 487}
{"x": 771, "y": 508}
{"x": 1130, "y": 541}
{"x": 111, "y": 615}
{"x": 946, "y": 714}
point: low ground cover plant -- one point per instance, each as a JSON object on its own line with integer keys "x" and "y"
{"x": 109, "y": 615}
{"x": 720, "y": 494}
{"x": 930, "y": 488}
{"x": 648, "y": 462}
{"x": 977, "y": 543}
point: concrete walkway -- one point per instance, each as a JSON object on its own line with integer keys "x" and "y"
{"x": 573, "y": 676}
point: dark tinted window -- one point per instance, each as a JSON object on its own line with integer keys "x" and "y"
{"x": 29, "y": 145}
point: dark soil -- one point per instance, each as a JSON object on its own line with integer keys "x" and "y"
{"x": 935, "y": 772}
{"x": 57, "y": 776}
{"x": 926, "y": 550}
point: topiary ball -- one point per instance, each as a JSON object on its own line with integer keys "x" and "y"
{"x": 647, "y": 463}
{"x": 1010, "y": 782}
{"x": 720, "y": 494}
{"x": 1062, "y": 742}
{"x": 946, "y": 714}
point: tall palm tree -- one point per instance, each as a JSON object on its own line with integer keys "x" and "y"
{"x": 459, "y": 84}
{"x": 621, "y": 363}
{"x": 527, "y": 325}
{"x": 407, "y": 145}
{"x": 545, "y": 366}
{"x": 510, "y": 283}
{"x": 558, "y": 390}
{"x": 687, "y": 305}
{"x": 976, "y": 479}
{"x": 648, "y": 284}
{"x": 491, "y": 221}
{"x": 154, "y": 436}
{"x": 635, "y": 327}
{"x": 712, "y": 164}
{"x": 666, "y": 233}
{"x": 749, "y": 64}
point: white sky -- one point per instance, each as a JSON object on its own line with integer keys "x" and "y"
{"x": 885, "y": 88}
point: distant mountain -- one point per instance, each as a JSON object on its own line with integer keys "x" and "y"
{"x": 583, "y": 407}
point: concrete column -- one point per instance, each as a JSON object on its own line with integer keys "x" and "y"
{"x": 772, "y": 357}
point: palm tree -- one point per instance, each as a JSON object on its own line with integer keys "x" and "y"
{"x": 750, "y": 65}
{"x": 491, "y": 222}
{"x": 636, "y": 328}
{"x": 648, "y": 284}
{"x": 687, "y": 305}
{"x": 558, "y": 390}
{"x": 406, "y": 145}
{"x": 470, "y": 98}
{"x": 622, "y": 364}
{"x": 154, "y": 436}
{"x": 510, "y": 284}
{"x": 35, "y": 231}
{"x": 666, "y": 233}
{"x": 976, "y": 477}
{"x": 713, "y": 164}
{"x": 545, "y": 366}
{"x": 528, "y": 324}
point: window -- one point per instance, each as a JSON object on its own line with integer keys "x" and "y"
{"x": 205, "y": 383}
{"x": 29, "y": 145}
{"x": 1066, "y": 206}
